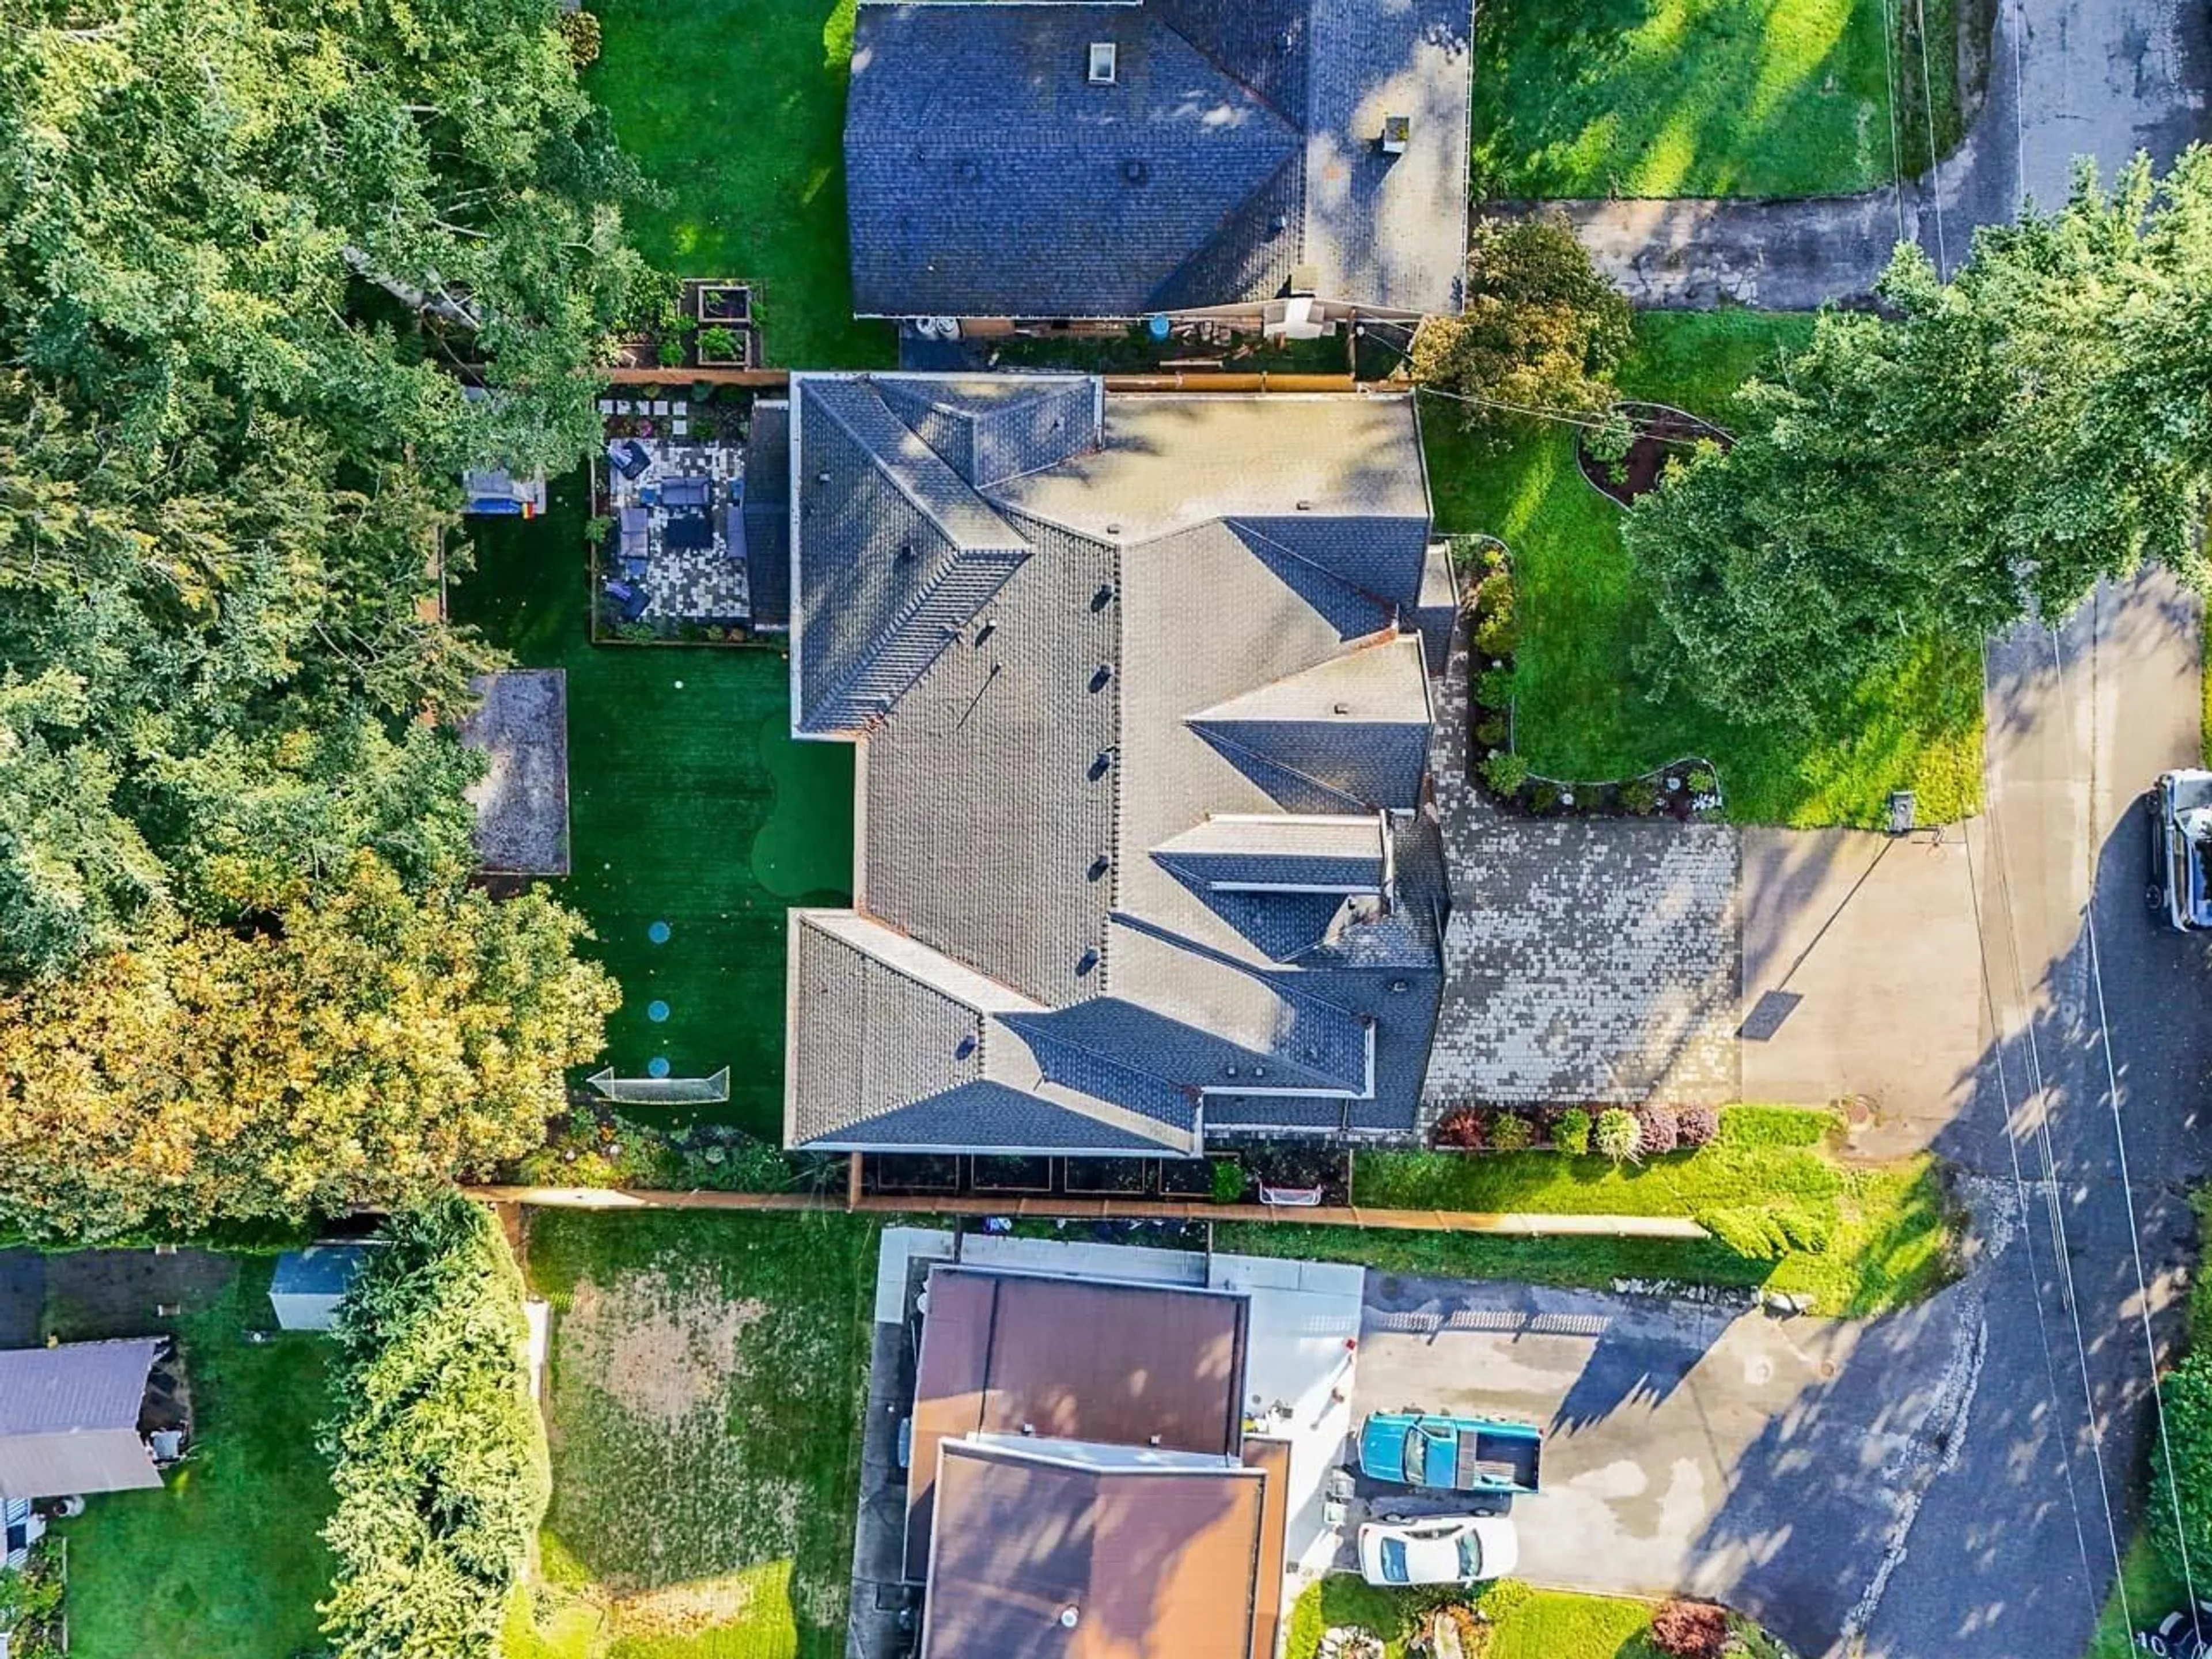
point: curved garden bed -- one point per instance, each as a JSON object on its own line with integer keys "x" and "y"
{"x": 1659, "y": 432}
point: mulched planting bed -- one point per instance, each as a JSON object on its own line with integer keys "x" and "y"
{"x": 1662, "y": 433}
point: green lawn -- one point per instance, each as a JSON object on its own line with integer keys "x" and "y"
{"x": 707, "y": 1379}
{"x": 226, "y": 1560}
{"x": 688, "y": 804}
{"x": 1524, "y": 1623}
{"x": 1582, "y": 713}
{"x": 735, "y": 109}
{"x": 1887, "y": 1229}
{"x": 1704, "y": 97}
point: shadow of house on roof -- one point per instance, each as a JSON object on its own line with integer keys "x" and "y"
{"x": 1079, "y": 160}
{"x": 1147, "y": 849}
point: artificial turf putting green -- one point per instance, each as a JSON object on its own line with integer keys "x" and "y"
{"x": 688, "y": 804}
{"x": 1582, "y": 711}
{"x": 735, "y": 111}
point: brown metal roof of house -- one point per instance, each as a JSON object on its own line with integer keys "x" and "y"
{"x": 1273, "y": 1458}
{"x": 1040, "y": 1558}
{"x": 1069, "y": 1360}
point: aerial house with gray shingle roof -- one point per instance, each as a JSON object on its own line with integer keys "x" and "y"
{"x": 1145, "y": 846}
{"x": 1063, "y": 159}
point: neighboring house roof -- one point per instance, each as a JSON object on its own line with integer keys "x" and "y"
{"x": 988, "y": 175}
{"x": 1152, "y": 1365}
{"x": 69, "y": 1418}
{"x": 1073, "y": 1552}
{"x": 1141, "y": 837}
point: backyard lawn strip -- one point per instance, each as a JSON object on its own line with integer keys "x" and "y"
{"x": 707, "y": 1381}
{"x": 226, "y": 1560}
{"x": 735, "y": 112}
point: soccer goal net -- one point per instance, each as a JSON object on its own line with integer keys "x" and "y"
{"x": 661, "y": 1090}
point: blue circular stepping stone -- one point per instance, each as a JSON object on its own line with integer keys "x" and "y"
{"x": 657, "y": 1066}
{"x": 658, "y": 932}
{"x": 656, "y": 1011}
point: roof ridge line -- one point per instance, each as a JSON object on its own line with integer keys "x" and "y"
{"x": 1301, "y": 125}
{"x": 877, "y": 460}
{"x": 1246, "y": 526}
{"x": 1380, "y": 638}
{"x": 1183, "y": 942}
{"x": 1195, "y": 722}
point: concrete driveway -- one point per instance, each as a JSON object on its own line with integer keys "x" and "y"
{"x": 1774, "y": 1463}
{"x": 1862, "y": 978}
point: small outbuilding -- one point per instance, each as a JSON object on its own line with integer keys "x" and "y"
{"x": 308, "y": 1283}
{"x": 70, "y": 1419}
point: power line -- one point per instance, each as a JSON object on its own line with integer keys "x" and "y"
{"x": 2127, "y": 1192}
{"x": 1565, "y": 417}
{"x": 2038, "y": 1088}
{"x": 1935, "y": 166}
{"x": 1896, "y": 154}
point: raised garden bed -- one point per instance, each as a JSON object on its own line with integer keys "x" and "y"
{"x": 1661, "y": 432}
{"x": 1001, "y": 1174}
{"x": 722, "y": 301}
{"x": 1109, "y": 1177}
{"x": 1187, "y": 1177}
{"x": 913, "y": 1172}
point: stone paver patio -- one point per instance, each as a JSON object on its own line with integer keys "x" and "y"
{"x": 1586, "y": 959}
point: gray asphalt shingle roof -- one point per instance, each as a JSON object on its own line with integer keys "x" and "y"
{"x": 68, "y": 1418}
{"x": 987, "y": 174}
{"x": 1071, "y": 892}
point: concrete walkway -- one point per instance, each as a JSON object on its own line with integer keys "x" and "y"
{"x": 2067, "y": 78}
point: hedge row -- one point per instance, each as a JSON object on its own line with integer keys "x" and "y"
{"x": 440, "y": 1456}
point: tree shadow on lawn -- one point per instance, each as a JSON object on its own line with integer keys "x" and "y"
{"x": 1679, "y": 97}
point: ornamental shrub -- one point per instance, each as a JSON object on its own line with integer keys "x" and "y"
{"x": 1691, "y": 1630}
{"x": 1461, "y": 1127}
{"x": 1698, "y": 1125}
{"x": 1639, "y": 796}
{"x": 1510, "y": 1132}
{"x": 1617, "y": 1134}
{"x": 1658, "y": 1131}
{"x": 2186, "y": 1439}
{"x": 1570, "y": 1132}
{"x": 1489, "y": 730}
{"x": 1506, "y": 773}
{"x": 1228, "y": 1181}
{"x": 438, "y": 1452}
{"x": 1493, "y": 688}
{"x": 580, "y": 30}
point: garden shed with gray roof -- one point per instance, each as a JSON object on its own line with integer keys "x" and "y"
{"x": 1062, "y": 160}
{"x": 1144, "y": 844}
{"x": 70, "y": 1416}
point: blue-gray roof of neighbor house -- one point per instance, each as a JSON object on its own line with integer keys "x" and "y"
{"x": 1142, "y": 847}
{"x": 987, "y": 173}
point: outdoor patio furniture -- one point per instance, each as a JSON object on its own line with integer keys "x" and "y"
{"x": 630, "y": 457}
{"x": 687, "y": 529}
{"x": 685, "y": 492}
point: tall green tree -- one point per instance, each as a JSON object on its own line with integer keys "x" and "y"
{"x": 359, "y": 1045}
{"x": 1541, "y": 330}
{"x": 1983, "y": 453}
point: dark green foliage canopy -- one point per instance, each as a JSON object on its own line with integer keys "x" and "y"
{"x": 439, "y": 1455}
{"x": 272, "y": 274}
{"x": 1984, "y": 455}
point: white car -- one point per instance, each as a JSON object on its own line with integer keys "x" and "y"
{"x": 1458, "y": 1549}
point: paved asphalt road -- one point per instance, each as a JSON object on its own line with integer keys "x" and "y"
{"x": 2094, "y": 1092}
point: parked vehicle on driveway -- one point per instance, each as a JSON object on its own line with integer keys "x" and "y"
{"x": 2178, "y": 811}
{"x": 1441, "y": 1550}
{"x": 1450, "y": 1454}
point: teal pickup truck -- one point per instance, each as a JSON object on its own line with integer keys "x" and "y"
{"x": 1451, "y": 1453}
